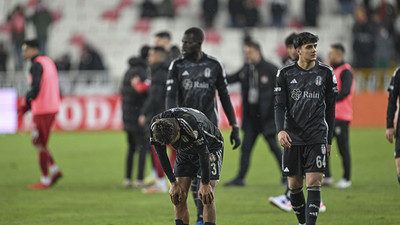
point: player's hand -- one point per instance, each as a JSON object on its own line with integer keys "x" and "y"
{"x": 235, "y": 138}
{"x": 142, "y": 120}
{"x": 206, "y": 194}
{"x": 176, "y": 193}
{"x": 328, "y": 149}
{"x": 390, "y": 134}
{"x": 135, "y": 80}
{"x": 284, "y": 139}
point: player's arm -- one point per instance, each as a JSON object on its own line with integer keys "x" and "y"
{"x": 206, "y": 194}
{"x": 346, "y": 78}
{"x": 226, "y": 103}
{"x": 330, "y": 101}
{"x": 171, "y": 99}
{"x": 235, "y": 77}
{"x": 36, "y": 72}
{"x": 393, "y": 90}
{"x": 280, "y": 102}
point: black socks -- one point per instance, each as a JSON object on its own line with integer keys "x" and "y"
{"x": 313, "y": 203}
{"x": 298, "y": 204}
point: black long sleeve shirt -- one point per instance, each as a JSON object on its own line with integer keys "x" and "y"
{"x": 346, "y": 78}
{"x": 194, "y": 84}
{"x": 36, "y": 71}
{"x": 394, "y": 93}
{"x": 305, "y": 103}
{"x": 198, "y": 136}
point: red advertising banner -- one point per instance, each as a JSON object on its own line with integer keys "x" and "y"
{"x": 103, "y": 112}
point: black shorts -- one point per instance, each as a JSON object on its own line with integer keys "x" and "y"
{"x": 302, "y": 159}
{"x": 187, "y": 165}
{"x": 397, "y": 149}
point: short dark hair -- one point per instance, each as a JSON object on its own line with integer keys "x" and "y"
{"x": 165, "y": 130}
{"x": 164, "y": 34}
{"x": 290, "y": 39}
{"x": 304, "y": 38}
{"x": 253, "y": 44}
{"x": 198, "y": 33}
{"x": 32, "y": 43}
{"x": 339, "y": 47}
{"x": 160, "y": 50}
{"x": 144, "y": 51}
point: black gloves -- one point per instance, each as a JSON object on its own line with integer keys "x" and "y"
{"x": 235, "y": 136}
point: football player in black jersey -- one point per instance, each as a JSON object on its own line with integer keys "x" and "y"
{"x": 391, "y": 132}
{"x": 200, "y": 151}
{"x": 305, "y": 95}
{"x": 193, "y": 81}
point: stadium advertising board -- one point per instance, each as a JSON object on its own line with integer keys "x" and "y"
{"x": 102, "y": 112}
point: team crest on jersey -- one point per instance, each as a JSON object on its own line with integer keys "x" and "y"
{"x": 184, "y": 138}
{"x": 212, "y": 157}
{"x": 207, "y": 72}
{"x": 264, "y": 79}
{"x": 296, "y": 94}
{"x": 318, "y": 80}
{"x": 187, "y": 84}
{"x": 195, "y": 134}
{"x": 323, "y": 149}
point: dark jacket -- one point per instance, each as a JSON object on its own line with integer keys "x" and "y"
{"x": 132, "y": 101}
{"x": 155, "y": 103}
{"x": 266, "y": 81}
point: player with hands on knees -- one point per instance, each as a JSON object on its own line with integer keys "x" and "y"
{"x": 199, "y": 146}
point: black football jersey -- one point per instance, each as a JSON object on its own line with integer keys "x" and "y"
{"x": 197, "y": 134}
{"x": 394, "y": 93}
{"x": 305, "y": 103}
{"x": 194, "y": 85}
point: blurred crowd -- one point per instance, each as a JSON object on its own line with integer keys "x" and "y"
{"x": 375, "y": 31}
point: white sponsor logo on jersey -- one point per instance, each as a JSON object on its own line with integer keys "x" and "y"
{"x": 186, "y": 73}
{"x": 294, "y": 81}
{"x": 296, "y": 94}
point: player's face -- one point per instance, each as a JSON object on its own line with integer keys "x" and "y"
{"x": 152, "y": 58}
{"x": 333, "y": 56}
{"x": 308, "y": 52}
{"x": 160, "y": 42}
{"x": 252, "y": 55}
{"x": 28, "y": 52}
{"x": 190, "y": 47}
{"x": 291, "y": 52}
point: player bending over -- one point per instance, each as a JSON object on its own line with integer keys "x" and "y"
{"x": 200, "y": 151}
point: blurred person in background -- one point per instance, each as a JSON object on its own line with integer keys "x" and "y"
{"x": 311, "y": 11}
{"x": 133, "y": 98}
{"x": 192, "y": 82}
{"x": 43, "y": 99}
{"x": 278, "y": 9}
{"x": 257, "y": 79}
{"x": 343, "y": 113}
{"x": 291, "y": 51}
{"x": 17, "y": 23}
{"x": 391, "y": 131}
{"x": 90, "y": 59}
{"x": 166, "y": 8}
{"x": 3, "y": 58}
{"x": 210, "y": 10}
{"x": 63, "y": 63}
{"x": 148, "y": 9}
{"x": 163, "y": 39}
{"x": 41, "y": 19}
{"x": 363, "y": 40}
{"x": 155, "y": 104}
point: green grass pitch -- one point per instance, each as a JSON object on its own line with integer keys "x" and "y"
{"x": 91, "y": 190}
